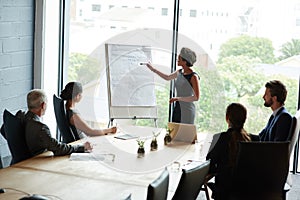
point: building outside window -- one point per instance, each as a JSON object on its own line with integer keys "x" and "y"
{"x": 193, "y": 13}
{"x": 164, "y": 11}
{"x": 96, "y": 8}
{"x": 230, "y": 69}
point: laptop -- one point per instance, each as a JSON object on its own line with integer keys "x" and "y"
{"x": 183, "y": 132}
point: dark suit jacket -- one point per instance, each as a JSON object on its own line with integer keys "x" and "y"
{"x": 278, "y": 129}
{"x": 39, "y": 139}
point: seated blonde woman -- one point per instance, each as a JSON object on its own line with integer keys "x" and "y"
{"x": 72, "y": 93}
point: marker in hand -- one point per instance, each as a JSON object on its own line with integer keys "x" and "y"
{"x": 142, "y": 63}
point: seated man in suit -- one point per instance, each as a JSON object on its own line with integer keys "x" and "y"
{"x": 279, "y": 124}
{"x": 38, "y": 135}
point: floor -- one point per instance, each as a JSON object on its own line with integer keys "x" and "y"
{"x": 293, "y": 194}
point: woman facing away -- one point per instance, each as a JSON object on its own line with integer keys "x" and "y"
{"x": 72, "y": 93}
{"x": 223, "y": 155}
{"x": 186, "y": 84}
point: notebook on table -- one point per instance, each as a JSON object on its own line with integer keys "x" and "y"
{"x": 183, "y": 132}
{"x": 125, "y": 136}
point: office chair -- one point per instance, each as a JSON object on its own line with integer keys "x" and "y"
{"x": 15, "y": 135}
{"x": 158, "y": 189}
{"x": 261, "y": 170}
{"x": 293, "y": 138}
{"x": 191, "y": 182}
{"x": 294, "y": 132}
{"x": 62, "y": 122}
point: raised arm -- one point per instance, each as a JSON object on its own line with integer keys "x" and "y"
{"x": 167, "y": 77}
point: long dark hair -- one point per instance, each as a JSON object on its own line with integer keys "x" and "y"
{"x": 236, "y": 115}
{"x": 71, "y": 90}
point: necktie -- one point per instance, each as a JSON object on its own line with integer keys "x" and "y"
{"x": 265, "y": 134}
{"x": 270, "y": 121}
{"x": 270, "y": 124}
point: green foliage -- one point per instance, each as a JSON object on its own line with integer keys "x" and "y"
{"x": 83, "y": 68}
{"x": 290, "y": 49}
{"x": 141, "y": 142}
{"x": 218, "y": 88}
{"x": 257, "y": 114}
{"x": 162, "y": 102}
{"x": 239, "y": 76}
{"x": 210, "y": 107}
{"x": 253, "y": 47}
{"x": 234, "y": 79}
{"x": 244, "y": 84}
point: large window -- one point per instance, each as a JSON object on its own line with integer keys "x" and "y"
{"x": 51, "y": 55}
{"x": 239, "y": 48}
{"x": 124, "y": 22}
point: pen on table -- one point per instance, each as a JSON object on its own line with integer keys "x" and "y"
{"x": 190, "y": 160}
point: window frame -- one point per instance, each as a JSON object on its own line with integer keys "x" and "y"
{"x": 63, "y": 49}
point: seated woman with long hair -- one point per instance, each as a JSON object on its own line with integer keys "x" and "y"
{"x": 224, "y": 153}
{"x": 72, "y": 94}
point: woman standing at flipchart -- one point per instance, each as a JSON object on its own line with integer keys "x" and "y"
{"x": 186, "y": 84}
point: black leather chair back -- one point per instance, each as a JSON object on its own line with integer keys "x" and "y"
{"x": 15, "y": 135}
{"x": 261, "y": 170}
{"x": 191, "y": 182}
{"x": 294, "y": 131}
{"x": 62, "y": 121}
{"x": 158, "y": 189}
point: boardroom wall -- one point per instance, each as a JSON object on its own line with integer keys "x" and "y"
{"x": 16, "y": 59}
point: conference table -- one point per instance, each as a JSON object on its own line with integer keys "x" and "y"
{"x": 113, "y": 170}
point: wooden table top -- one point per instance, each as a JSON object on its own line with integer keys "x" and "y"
{"x": 92, "y": 175}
